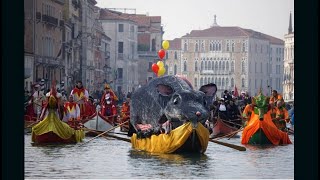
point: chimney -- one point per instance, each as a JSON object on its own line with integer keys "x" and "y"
{"x": 215, "y": 21}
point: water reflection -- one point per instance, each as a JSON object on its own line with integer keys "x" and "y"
{"x": 170, "y": 165}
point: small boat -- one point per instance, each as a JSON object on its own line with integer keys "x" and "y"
{"x": 260, "y": 129}
{"x": 97, "y": 122}
{"x": 183, "y": 139}
{"x": 222, "y": 127}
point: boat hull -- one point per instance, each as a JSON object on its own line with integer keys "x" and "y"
{"x": 183, "y": 139}
{"x": 52, "y": 138}
{"x": 221, "y": 128}
{"x": 98, "y": 123}
{"x": 259, "y": 138}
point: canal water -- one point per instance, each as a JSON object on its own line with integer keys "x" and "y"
{"x": 115, "y": 159}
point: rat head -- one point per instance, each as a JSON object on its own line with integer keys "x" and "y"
{"x": 184, "y": 105}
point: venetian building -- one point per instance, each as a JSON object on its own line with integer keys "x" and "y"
{"x": 231, "y": 57}
{"x": 123, "y": 66}
{"x": 48, "y": 32}
{"x": 173, "y": 58}
{"x": 288, "y": 76}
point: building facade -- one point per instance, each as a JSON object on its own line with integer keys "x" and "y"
{"x": 173, "y": 58}
{"x": 288, "y": 76}
{"x": 123, "y": 50}
{"x": 231, "y": 57}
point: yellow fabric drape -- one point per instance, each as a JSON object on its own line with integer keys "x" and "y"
{"x": 54, "y": 124}
{"x": 274, "y": 135}
{"x": 168, "y": 143}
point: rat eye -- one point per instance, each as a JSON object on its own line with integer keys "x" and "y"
{"x": 176, "y": 100}
{"x": 204, "y": 102}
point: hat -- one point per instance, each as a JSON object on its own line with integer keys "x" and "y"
{"x": 225, "y": 91}
{"x": 221, "y": 99}
{"x": 42, "y": 80}
{"x": 106, "y": 86}
{"x": 62, "y": 82}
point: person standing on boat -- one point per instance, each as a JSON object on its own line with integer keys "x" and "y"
{"x": 71, "y": 113}
{"x": 90, "y": 107}
{"x": 282, "y": 116}
{"x": 45, "y": 111}
{"x": 36, "y": 100}
{"x": 108, "y": 102}
{"x": 80, "y": 95}
{"x": 247, "y": 112}
{"x": 276, "y": 97}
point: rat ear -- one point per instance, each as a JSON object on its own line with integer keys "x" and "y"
{"x": 164, "y": 90}
{"x": 209, "y": 89}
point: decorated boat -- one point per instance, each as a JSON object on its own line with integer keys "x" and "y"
{"x": 182, "y": 139}
{"x": 51, "y": 130}
{"x": 98, "y": 122}
{"x": 222, "y": 127}
{"x": 260, "y": 129}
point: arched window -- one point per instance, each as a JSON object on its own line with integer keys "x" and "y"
{"x": 153, "y": 45}
{"x": 228, "y": 46}
{"x": 209, "y": 80}
{"x": 243, "y": 46}
{"x": 227, "y": 66}
{"x": 185, "y": 47}
{"x": 232, "y": 82}
{"x": 201, "y": 81}
{"x": 167, "y": 68}
{"x": 219, "y": 81}
{"x": 242, "y": 67}
{"x": 210, "y": 46}
{"x": 219, "y": 46}
{"x": 195, "y": 82}
{"x": 196, "y": 47}
{"x": 185, "y": 66}
{"x": 219, "y": 65}
{"x": 202, "y": 66}
{"x": 175, "y": 55}
{"x": 196, "y": 66}
{"x": 175, "y": 69}
{"x": 232, "y": 46}
{"x": 209, "y": 65}
{"x": 242, "y": 83}
{"x": 205, "y": 80}
{"x": 232, "y": 66}
{"x": 227, "y": 82}
{"x": 216, "y": 80}
{"x": 214, "y": 47}
{"x": 206, "y": 65}
{"x": 222, "y": 82}
{"x": 223, "y": 67}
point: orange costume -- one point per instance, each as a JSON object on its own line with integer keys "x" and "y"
{"x": 274, "y": 100}
{"x": 80, "y": 96}
{"x": 274, "y": 135}
{"x": 247, "y": 112}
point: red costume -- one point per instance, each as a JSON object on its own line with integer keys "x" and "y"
{"x": 80, "y": 95}
{"x": 108, "y": 102}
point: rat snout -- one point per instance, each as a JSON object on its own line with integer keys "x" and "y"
{"x": 198, "y": 113}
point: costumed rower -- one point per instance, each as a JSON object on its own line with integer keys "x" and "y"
{"x": 72, "y": 113}
{"x": 80, "y": 95}
{"x": 36, "y": 100}
{"x": 108, "y": 102}
{"x": 53, "y": 92}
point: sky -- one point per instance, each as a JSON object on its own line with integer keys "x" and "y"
{"x": 180, "y": 17}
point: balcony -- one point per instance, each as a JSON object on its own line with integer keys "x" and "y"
{"x": 50, "y": 20}
{"x": 61, "y": 23}
{"x": 49, "y": 61}
{"x": 152, "y": 54}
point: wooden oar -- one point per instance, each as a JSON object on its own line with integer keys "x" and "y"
{"x": 235, "y": 133}
{"x": 91, "y": 130}
{"x": 104, "y": 133}
{"x": 227, "y": 135}
{"x": 239, "y": 148}
{"x": 230, "y": 122}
